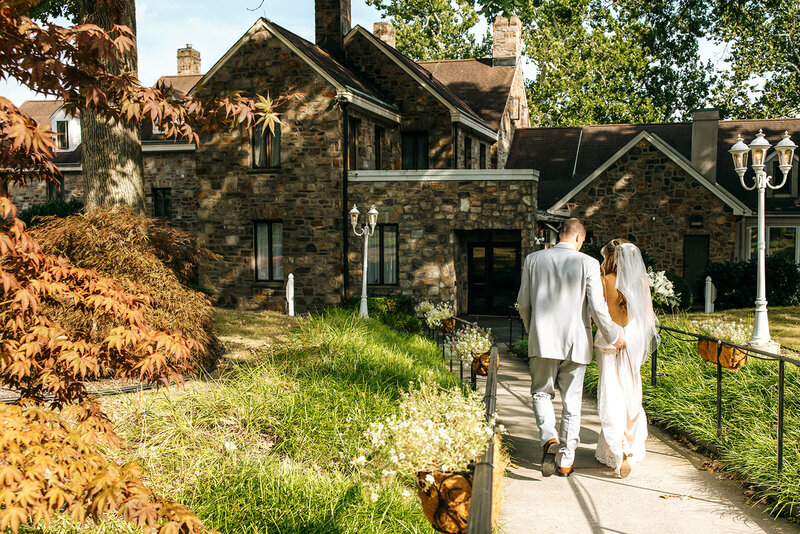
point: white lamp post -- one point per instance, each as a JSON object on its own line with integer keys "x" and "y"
{"x": 761, "y": 181}
{"x": 367, "y": 230}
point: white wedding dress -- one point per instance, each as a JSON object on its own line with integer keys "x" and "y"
{"x": 619, "y": 395}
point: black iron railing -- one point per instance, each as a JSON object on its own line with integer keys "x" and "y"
{"x": 781, "y": 358}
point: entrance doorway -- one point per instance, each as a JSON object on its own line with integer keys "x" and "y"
{"x": 493, "y": 277}
{"x": 695, "y": 263}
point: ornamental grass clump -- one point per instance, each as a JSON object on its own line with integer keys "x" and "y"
{"x": 472, "y": 341}
{"x": 663, "y": 290}
{"x": 733, "y": 331}
{"x": 434, "y": 430}
{"x": 439, "y": 313}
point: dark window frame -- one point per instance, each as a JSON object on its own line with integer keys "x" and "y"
{"x": 270, "y": 143}
{"x": 379, "y": 234}
{"x": 353, "y": 126}
{"x": 415, "y": 136}
{"x": 62, "y": 138}
{"x": 270, "y": 249}
{"x": 166, "y": 193}
{"x": 380, "y": 132}
{"x": 467, "y": 152}
{"x": 55, "y": 189}
{"x": 482, "y": 156}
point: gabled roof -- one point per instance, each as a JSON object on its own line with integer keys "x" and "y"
{"x": 481, "y": 86}
{"x": 181, "y": 83}
{"x": 460, "y": 111}
{"x": 347, "y": 84}
{"x": 41, "y": 110}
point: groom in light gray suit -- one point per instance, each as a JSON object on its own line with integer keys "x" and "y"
{"x": 561, "y": 291}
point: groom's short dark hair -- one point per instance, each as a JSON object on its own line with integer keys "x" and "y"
{"x": 571, "y": 227}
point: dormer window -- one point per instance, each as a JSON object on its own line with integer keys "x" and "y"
{"x": 62, "y": 135}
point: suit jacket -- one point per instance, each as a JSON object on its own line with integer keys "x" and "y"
{"x": 561, "y": 291}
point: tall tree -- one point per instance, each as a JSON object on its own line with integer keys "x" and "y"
{"x": 607, "y": 61}
{"x": 435, "y": 29}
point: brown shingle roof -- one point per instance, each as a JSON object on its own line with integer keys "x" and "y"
{"x": 181, "y": 83}
{"x": 483, "y": 87}
{"x": 41, "y": 110}
{"x": 332, "y": 67}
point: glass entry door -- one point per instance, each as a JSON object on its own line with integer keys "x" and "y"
{"x": 494, "y": 274}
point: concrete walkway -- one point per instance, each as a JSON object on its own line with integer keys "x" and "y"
{"x": 667, "y": 493}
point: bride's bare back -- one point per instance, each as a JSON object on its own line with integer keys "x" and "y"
{"x": 619, "y": 314}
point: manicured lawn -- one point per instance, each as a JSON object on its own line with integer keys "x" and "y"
{"x": 267, "y": 444}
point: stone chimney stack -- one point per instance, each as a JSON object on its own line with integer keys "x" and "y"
{"x": 507, "y": 40}
{"x": 188, "y": 60}
{"x": 705, "y": 132}
{"x": 332, "y": 22}
{"x": 385, "y": 32}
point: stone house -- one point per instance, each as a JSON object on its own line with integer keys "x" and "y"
{"x": 426, "y": 143}
{"x": 671, "y": 188}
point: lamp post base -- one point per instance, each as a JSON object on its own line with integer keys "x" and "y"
{"x": 363, "y": 310}
{"x": 768, "y": 346}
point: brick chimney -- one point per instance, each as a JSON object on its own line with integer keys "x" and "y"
{"x": 332, "y": 22}
{"x": 507, "y": 40}
{"x": 385, "y": 32}
{"x": 705, "y": 132}
{"x": 188, "y": 60}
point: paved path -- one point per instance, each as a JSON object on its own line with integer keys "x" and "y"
{"x": 667, "y": 493}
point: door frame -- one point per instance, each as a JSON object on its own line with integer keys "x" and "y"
{"x": 489, "y": 259}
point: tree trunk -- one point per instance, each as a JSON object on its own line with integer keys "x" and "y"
{"x": 111, "y": 151}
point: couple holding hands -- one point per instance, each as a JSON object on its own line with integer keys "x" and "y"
{"x": 561, "y": 291}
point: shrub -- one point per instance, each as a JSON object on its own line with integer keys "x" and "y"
{"x": 520, "y": 347}
{"x": 396, "y": 312}
{"x": 140, "y": 253}
{"x": 56, "y": 207}
{"x": 736, "y": 282}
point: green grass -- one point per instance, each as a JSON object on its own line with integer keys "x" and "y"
{"x": 266, "y": 447}
{"x": 685, "y": 398}
{"x": 784, "y": 322}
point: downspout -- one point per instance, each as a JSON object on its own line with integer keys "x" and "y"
{"x": 345, "y": 216}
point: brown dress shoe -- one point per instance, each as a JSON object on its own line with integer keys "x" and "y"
{"x": 564, "y": 471}
{"x": 625, "y": 468}
{"x": 549, "y": 457}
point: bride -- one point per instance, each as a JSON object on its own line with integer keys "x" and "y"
{"x": 619, "y": 395}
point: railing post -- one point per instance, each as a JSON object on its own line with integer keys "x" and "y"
{"x": 781, "y": 366}
{"x": 654, "y": 367}
{"x": 710, "y": 294}
{"x": 719, "y": 391}
{"x": 510, "y": 327}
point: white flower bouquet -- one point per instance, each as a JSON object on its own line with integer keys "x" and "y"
{"x": 435, "y": 430}
{"x": 736, "y": 332}
{"x": 472, "y": 341}
{"x": 662, "y": 290}
{"x": 423, "y": 308}
{"x": 439, "y": 313}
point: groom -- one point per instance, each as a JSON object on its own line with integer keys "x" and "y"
{"x": 560, "y": 293}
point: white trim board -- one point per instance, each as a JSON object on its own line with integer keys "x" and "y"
{"x": 168, "y": 147}
{"x": 341, "y": 90}
{"x": 446, "y": 175}
{"x": 732, "y": 202}
{"x": 456, "y": 115}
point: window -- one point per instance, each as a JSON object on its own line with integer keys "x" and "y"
{"x": 382, "y": 257}
{"x": 467, "y": 152}
{"x": 162, "y": 202}
{"x": 55, "y": 189}
{"x": 62, "y": 137}
{"x": 415, "y": 150}
{"x": 269, "y": 251}
{"x": 483, "y": 156}
{"x": 352, "y": 143}
{"x": 781, "y": 241}
{"x": 266, "y": 147}
{"x": 379, "y": 133}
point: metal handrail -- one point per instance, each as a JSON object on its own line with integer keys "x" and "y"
{"x": 480, "y": 506}
{"x": 750, "y": 351}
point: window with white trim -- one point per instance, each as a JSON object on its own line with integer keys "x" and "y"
{"x": 780, "y": 240}
{"x": 382, "y": 256}
{"x": 62, "y": 135}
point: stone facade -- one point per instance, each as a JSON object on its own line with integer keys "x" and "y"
{"x": 176, "y": 171}
{"x": 647, "y": 198}
{"x": 434, "y": 219}
{"x": 515, "y": 116}
{"x": 507, "y": 37}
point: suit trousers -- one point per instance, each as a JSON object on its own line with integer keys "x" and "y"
{"x": 546, "y": 375}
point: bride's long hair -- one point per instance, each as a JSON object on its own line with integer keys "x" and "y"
{"x": 609, "y": 265}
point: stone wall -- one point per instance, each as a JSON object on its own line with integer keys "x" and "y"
{"x": 474, "y": 157}
{"x": 516, "y": 106}
{"x": 36, "y": 192}
{"x": 174, "y": 170}
{"x": 647, "y": 197}
{"x": 429, "y": 215}
{"x": 305, "y": 193}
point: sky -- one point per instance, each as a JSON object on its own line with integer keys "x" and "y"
{"x": 213, "y": 26}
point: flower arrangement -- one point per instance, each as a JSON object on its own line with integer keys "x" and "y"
{"x": 472, "y": 341}
{"x": 662, "y": 289}
{"x": 737, "y": 332}
{"x": 439, "y": 313}
{"x": 435, "y": 430}
{"x": 423, "y": 308}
